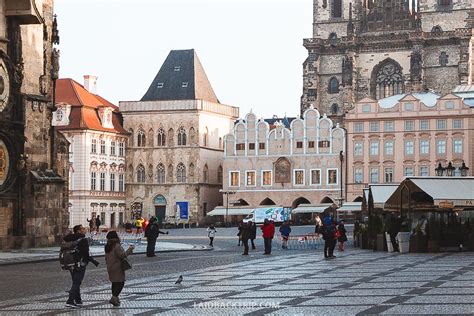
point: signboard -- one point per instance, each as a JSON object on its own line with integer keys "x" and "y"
{"x": 183, "y": 210}
{"x": 446, "y": 204}
{"x": 277, "y": 214}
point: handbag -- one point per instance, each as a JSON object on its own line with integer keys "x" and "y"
{"x": 126, "y": 265}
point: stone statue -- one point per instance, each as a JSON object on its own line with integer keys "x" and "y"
{"x": 347, "y": 67}
{"x": 415, "y": 66}
{"x": 55, "y": 64}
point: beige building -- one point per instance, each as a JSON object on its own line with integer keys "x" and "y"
{"x": 407, "y": 135}
{"x": 174, "y": 154}
{"x": 284, "y": 162}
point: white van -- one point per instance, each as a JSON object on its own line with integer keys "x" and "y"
{"x": 278, "y": 214}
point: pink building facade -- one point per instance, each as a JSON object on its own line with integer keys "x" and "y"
{"x": 407, "y": 135}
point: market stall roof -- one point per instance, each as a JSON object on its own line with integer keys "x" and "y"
{"x": 311, "y": 208}
{"x": 381, "y": 193}
{"x": 350, "y": 206}
{"x": 230, "y": 211}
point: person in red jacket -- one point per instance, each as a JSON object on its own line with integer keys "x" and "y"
{"x": 268, "y": 230}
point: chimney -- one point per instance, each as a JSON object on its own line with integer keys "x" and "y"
{"x": 90, "y": 83}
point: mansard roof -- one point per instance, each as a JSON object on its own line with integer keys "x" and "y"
{"x": 181, "y": 77}
{"x": 85, "y": 108}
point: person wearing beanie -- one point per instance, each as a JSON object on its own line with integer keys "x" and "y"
{"x": 114, "y": 254}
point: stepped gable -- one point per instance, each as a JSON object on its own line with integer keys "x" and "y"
{"x": 181, "y": 77}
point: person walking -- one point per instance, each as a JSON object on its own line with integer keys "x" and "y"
{"x": 329, "y": 236}
{"x": 253, "y": 234}
{"x": 151, "y": 233}
{"x": 98, "y": 222}
{"x": 114, "y": 254}
{"x": 82, "y": 258}
{"x": 268, "y": 231}
{"x": 285, "y": 231}
{"x": 342, "y": 235}
{"x": 245, "y": 235}
{"x": 211, "y": 233}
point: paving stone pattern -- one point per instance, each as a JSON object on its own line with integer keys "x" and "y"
{"x": 357, "y": 282}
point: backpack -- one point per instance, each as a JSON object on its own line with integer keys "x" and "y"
{"x": 329, "y": 231}
{"x": 69, "y": 256}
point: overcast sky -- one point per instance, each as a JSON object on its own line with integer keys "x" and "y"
{"x": 251, "y": 50}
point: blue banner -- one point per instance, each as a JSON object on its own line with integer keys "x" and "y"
{"x": 183, "y": 209}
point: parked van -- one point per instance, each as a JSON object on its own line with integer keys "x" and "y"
{"x": 278, "y": 214}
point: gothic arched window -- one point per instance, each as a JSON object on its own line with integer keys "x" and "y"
{"x": 205, "y": 173}
{"x": 192, "y": 136}
{"x": 180, "y": 173}
{"x": 443, "y": 59}
{"x": 170, "y": 137}
{"x": 219, "y": 174}
{"x": 161, "y": 138}
{"x": 436, "y": 29}
{"x": 333, "y": 85}
{"x": 206, "y": 137}
{"x": 181, "y": 136}
{"x": 140, "y": 173}
{"x": 336, "y": 8}
{"x": 332, "y": 36}
{"x": 387, "y": 80}
{"x": 160, "y": 173}
{"x": 334, "y": 108}
{"x": 141, "y": 139}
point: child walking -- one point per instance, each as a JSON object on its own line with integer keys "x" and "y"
{"x": 211, "y": 232}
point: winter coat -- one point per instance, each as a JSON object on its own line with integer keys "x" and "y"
{"x": 285, "y": 230}
{"x": 152, "y": 231}
{"x": 253, "y": 231}
{"x": 211, "y": 232}
{"x": 268, "y": 230}
{"x": 114, "y": 262}
{"x": 246, "y": 232}
{"x": 82, "y": 246}
{"x": 342, "y": 231}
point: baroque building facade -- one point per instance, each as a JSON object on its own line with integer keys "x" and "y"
{"x": 175, "y": 149}
{"x": 412, "y": 135}
{"x": 377, "y": 48}
{"x": 33, "y": 156}
{"x": 93, "y": 127}
{"x": 284, "y": 164}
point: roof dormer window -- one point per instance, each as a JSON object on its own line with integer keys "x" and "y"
{"x": 160, "y": 85}
{"x": 184, "y": 85}
{"x": 177, "y": 68}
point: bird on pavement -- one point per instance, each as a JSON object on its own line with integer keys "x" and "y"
{"x": 179, "y": 280}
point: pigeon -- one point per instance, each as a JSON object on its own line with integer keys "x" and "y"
{"x": 179, "y": 280}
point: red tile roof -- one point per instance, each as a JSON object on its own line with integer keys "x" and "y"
{"x": 85, "y": 108}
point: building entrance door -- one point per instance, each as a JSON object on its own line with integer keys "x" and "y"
{"x": 160, "y": 212}
{"x": 112, "y": 220}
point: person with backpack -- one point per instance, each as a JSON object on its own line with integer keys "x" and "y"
{"x": 98, "y": 222}
{"x": 211, "y": 233}
{"x": 114, "y": 254}
{"x": 151, "y": 233}
{"x": 79, "y": 245}
{"x": 329, "y": 236}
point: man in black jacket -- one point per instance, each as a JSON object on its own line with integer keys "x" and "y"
{"x": 246, "y": 234}
{"x": 152, "y": 232}
{"x": 82, "y": 258}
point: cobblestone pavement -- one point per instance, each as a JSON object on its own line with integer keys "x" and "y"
{"x": 356, "y": 282}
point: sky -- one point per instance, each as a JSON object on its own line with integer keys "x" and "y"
{"x": 252, "y": 50}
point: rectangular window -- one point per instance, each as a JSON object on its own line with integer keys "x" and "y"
{"x": 388, "y": 175}
{"x": 409, "y": 125}
{"x": 457, "y": 146}
{"x": 441, "y": 147}
{"x": 424, "y": 147}
{"x": 449, "y": 105}
{"x": 261, "y": 145}
{"x": 234, "y": 179}
{"x": 121, "y": 183}
{"x": 323, "y": 144}
{"x": 121, "y": 149}
{"x": 374, "y": 148}
{"x": 358, "y": 127}
{"x": 120, "y": 218}
{"x": 93, "y": 181}
{"x": 408, "y": 172}
{"x": 311, "y": 144}
{"x": 389, "y": 148}
{"x": 102, "y": 181}
{"x": 388, "y": 126}
{"x": 424, "y": 125}
{"x": 332, "y": 176}
{"x": 94, "y": 146}
{"x": 374, "y": 126}
{"x": 112, "y": 182}
{"x": 250, "y": 178}
{"x": 366, "y": 108}
{"x": 298, "y": 177}
{"x": 374, "y": 175}
{"x": 299, "y": 144}
{"x": 424, "y": 171}
{"x": 358, "y": 178}
{"x": 112, "y": 148}
{"x": 408, "y": 106}
{"x": 251, "y": 146}
{"x": 409, "y": 147}
{"x": 457, "y": 123}
{"x": 240, "y": 146}
{"x": 315, "y": 177}
{"x": 358, "y": 148}
{"x": 441, "y": 125}
{"x": 337, "y": 8}
{"x": 102, "y": 147}
{"x": 266, "y": 177}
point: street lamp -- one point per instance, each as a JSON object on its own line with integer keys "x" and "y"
{"x": 463, "y": 169}
{"x": 226, "y": 192}
{"x": 450, "y": 169}
{"x": 439, "y": 170}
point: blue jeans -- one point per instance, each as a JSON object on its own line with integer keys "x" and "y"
{"x": 77, "y": 275}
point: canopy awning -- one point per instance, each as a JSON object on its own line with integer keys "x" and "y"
{"x": 380, "y": 193}
{"x": 311, "y": 208}
{"x": 350, "y": 206}
{"x": 230, "y": 211}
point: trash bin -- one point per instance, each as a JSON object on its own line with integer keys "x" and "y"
{"x": 403, "y": 239}
{"x": 389, "y": 243}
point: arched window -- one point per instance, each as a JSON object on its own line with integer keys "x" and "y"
{"x": 140, "y": 174}
{"x": 333, "y": 85}
{"x": 192, "y": 136}
{"x": 387, "y": 79}
{"x": 206, "y": 137}
{"x": 436, "y": 29}
{"x": 336, "y": 8}
{"x": 160, "y": 173}
{"x": 334, "y": 108}
{"x": 219, "y": 174}
{"x": 181, "y": 136}
{"x": 332, "y": 36}
{"x": 141, "y": 139}
{"x": 170, "y": 137}
{"x": 151, "y": 137}
{"x": 205, "y": 173}
{"x": 161, "y": 138}
{"x": 170, "y": 173}
{"x": 180, "y": 173}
